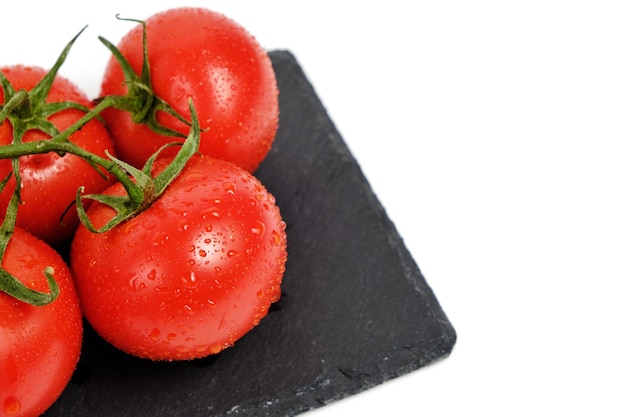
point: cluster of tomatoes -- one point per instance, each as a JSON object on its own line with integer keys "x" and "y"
{"x": 176, "y": 250}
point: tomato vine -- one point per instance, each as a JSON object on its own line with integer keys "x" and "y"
{"x": 27, "y": 110}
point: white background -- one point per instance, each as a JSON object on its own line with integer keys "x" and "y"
{"x": 493, "y": 132}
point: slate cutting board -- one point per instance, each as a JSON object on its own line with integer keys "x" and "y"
{"x": 355, "y": 310}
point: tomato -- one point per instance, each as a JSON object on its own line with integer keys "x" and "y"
{"x": 198, "y": 53}
{"x": 39, "y": 346}
{"x": 49, "y": 181}
{"x": 191, "y": 274}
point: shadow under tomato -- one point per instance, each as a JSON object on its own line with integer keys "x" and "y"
{"x": 101, "y": 358}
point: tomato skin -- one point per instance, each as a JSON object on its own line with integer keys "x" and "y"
{"x": 221, "y": 67}
{"x": 191, "y": 274}
{"x": 49, "y": 182}
{"x": 39, "y": 346}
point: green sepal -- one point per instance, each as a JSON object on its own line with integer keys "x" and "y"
{"x": 141, "y": 100}
{"x": 144, "y": 189}
{"x": 30, "y": 110}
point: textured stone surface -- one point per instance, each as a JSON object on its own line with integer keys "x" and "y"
{"x": 356, "y": 310}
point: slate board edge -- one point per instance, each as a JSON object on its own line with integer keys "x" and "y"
{"x": 314, "y": 397}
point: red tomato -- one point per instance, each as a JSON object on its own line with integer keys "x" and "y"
{"x": 49, "y": 181}
{"x": 204, "y": 55}
{"x": 191, "y": 274}
{"x": 39, "y": 346}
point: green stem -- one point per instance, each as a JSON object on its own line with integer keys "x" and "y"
{"x": 15, "y": 100}
{"x": 8, "y": 283}
{"x": 44, "y": 146}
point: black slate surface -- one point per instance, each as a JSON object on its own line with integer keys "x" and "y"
{"x": 355, "y": 310}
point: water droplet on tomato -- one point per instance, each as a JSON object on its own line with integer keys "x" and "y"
{"x": 188, "y": 309}
{"x": 195, "y": 176}
{"x": 11, "y": 406}
{"x": 152, "y": 275}
{"x": 215, "y": 348}
{"x": 211, "y": 303}
{"x": 200, "y": 348}
{"x": 258, "y": 229}
{"x": 275, "y": 295}
{"x": 190, "y": 281}
{"x": 154, "y": 335}
{"x": 171, "y": 336}
{"x": 230, "y": 188}
{"x": 232, "y": 253}
{"x": 127, "y": 228}
{"x": 179, "y": 211}
{"x": 160, "y": 239}
{"x": 276, "y": 238}
{"x": 134, "y": 284}
{"x": 259, "y": 294}
{"x": 211, "y": 212}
